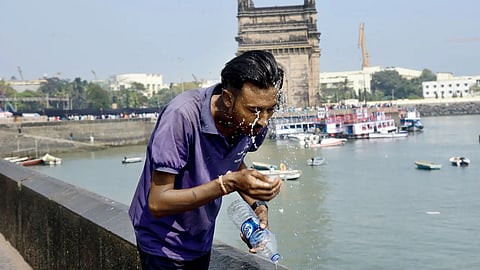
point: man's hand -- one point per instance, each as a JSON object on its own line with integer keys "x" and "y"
{"x": 254, "y": 184}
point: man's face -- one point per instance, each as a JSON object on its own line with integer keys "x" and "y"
{"x": 253, "y": 107}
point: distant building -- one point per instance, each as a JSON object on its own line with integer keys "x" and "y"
{"x": 360, "y": 80}
{"x": 152, "y": 82}
{"x": 290, "y": 34}
{"x": 23, "y": 85}
{"x": 448, "y": 86}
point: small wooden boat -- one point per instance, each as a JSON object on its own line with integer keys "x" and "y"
{"x": 126, "y": 160}
{"x": 380, "y": 135}
{"x": 19, "y": 159}
{"x": 328, "y": 142}
{"x": 263, "y": 166}
{"x": 283, "y": 174}
{"x": 316, "y": 161}
{"x": 427, "y": 165}
{"x": 30, "y": 162}
{"x": 9, "y": 158}
{"x": 48, "y": 159}
{"x": 460, "y": 161}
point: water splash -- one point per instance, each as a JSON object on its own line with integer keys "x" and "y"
{"x": 252, "y": 125}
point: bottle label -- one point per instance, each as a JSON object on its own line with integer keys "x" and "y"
{"x": 249, "y": 226}
{"x": 275, "y": 257}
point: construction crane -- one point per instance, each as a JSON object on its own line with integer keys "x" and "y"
{"x": 361, "y": 44}
{"x": 20, "y": 72}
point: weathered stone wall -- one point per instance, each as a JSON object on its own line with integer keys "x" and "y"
{"x": 441, "y": 109}
{"x": 55, "y": 225}
{"x": 53, "y": 137}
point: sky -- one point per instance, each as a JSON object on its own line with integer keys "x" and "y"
{"x": 186, "y": 40}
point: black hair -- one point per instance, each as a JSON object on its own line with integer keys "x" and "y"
{"x": 256, "y": 67}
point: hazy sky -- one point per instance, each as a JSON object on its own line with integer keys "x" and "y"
{"x": 179, "y": 38}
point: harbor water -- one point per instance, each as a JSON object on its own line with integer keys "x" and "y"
{"x": 367, "y": 207}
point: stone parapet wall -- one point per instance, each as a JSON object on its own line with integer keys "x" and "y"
{"x": 34, "y": 138}
{"x": 55, "y": 225}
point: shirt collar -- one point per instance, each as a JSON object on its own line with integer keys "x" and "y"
{"x": 207, "y": 122}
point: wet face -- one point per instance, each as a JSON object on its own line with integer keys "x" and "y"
{"x": 252, "y": 108}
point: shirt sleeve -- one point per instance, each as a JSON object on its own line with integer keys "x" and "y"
{"x": 171, "y": 142}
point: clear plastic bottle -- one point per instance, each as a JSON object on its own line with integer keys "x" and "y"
{"x": 247, "y": 221}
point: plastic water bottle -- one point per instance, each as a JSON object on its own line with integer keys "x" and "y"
{"x": 248, "y": 222}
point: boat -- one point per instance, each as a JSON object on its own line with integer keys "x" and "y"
{"x": 263, "y": 166}
{"x": 427, "y": 165}
{"x": 48, "y": 159}
{"x": 379, "y": 135}
{"x": 30, "y": 162}
{"x": 9, "y": 158}
{"x": 283, "y": 174}
{"x": 126, "y": 160}
{"x": 329, "y": 142}
{"x": 18, "y": 159}
{"x": 411, "y": 121}
{"x": 460, "y": 161}
{"x": 316, "y": 161}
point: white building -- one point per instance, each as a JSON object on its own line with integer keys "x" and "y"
{"x": 23, "y": 85}
{"x": 449, "y": 86}
{"x": 359, "y": 80}
{"x": 152, "y": 82}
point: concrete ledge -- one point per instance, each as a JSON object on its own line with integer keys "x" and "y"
{"x": 55, "y": 225}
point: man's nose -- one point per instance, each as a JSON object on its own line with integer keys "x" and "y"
{"x": 263, "y": 119}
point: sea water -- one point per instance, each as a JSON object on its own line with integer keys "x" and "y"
{"x": 367, "y": 207}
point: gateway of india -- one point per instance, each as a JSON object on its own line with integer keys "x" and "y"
{"x": 290, "y": 34}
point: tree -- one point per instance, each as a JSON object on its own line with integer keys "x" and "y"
{"x": 97, "y": 97}
{"x": 78, "y": 89}
{"x": 6, "y": 90}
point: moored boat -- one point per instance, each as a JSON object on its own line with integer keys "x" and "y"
{"x": 18, "y": 159}
{"x": 263, "y": 166}
{"x": 411, "y": 121}
{"x": 329, "y": 142}
{"x": 48, "y": 159}
{"x": 30, "y": 162}
{"x": 316, "y": 161}
{"x": 126, "y": 160}
{"x": 283, "y": 174}
{"x": 379, "y": 135}
{"x": 427, "y": 165}
{"x": 460, "y": 161}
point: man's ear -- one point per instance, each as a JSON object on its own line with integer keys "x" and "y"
{"x": 228, "y": 98}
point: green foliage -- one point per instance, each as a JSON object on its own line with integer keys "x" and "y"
{"x": 389, "y": 84}
{"x": 6, "y": 90}
{"x": 97, "y": 97}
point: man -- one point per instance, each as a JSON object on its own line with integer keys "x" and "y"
{"x": 195, "y": 156}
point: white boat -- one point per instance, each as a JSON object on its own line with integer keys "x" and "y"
{"x": 51, "y": 160}
{"x": 126, "y": 160}
{"x": 304, "y": 139}
{"x": 263, "y": 166}
{"x": 411, "y": 122}
{"x": 18, "y": 159}
{"x": 427, "y": 165}
{"x": 316, "y": 161}
{"x": 9, "y": 158}
{"x": 329, "y": 142}
{"x": 281, "y": 129}
{"x": 377, "y": 135}
{"x": 460, "y": 161}
{"x": 283, "y": 174}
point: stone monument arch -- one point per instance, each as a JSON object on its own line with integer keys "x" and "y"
{"x": 290, "y": 34}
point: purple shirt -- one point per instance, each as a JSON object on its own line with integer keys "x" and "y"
{"x": 185, "y": 142}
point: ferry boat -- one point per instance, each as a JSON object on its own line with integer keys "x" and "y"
{"x": 410, "y": 121}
